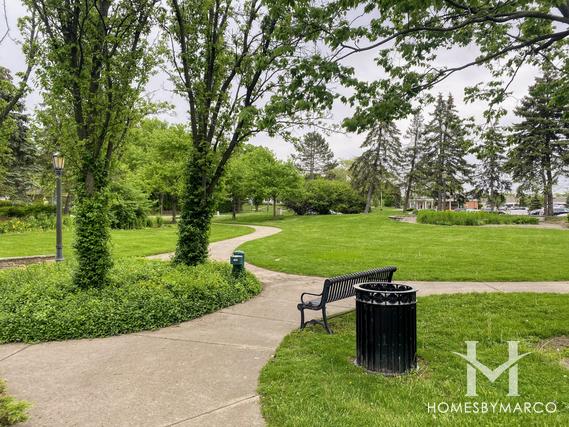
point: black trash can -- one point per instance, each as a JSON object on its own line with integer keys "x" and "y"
{"x": 386, "y": 327}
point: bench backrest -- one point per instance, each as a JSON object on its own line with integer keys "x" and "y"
{"x": 340, "y": 287}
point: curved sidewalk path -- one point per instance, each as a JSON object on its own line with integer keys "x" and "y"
{"x": 200, "y": 373}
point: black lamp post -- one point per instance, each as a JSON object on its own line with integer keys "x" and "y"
{"x": 58, "y": 162}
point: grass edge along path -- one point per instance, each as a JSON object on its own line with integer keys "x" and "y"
{"x": 312, "y": 379}
{"x": 125, "y": 243}
{"x": 337, "y": 244}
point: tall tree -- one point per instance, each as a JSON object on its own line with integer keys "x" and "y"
{"x": 17, "y": 150}
{"x": 380, "y": 161}
{"x": 412, "y": 156}
{"x": 277, "y": 178}
{"x": 154, "y": 156}
{"x": 445, "y": 156}
{"x": 313, "y": 155}
{"x": 540, "y": 142}
{"x": 235, "y": 64}
{"x": 19, "y": 182}
{"x": 491, "y": 180}
{"x": 95, "y": 63}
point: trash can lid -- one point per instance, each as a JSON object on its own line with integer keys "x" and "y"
{"x": 385, "y": 293}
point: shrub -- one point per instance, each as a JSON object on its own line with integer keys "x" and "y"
{"x": 322, "y": 196}
{"x": 24, "y": 210}
{"x": 129, "y": 207}
{"x": 31, "y": 223}
{"x": 471, "y": 218}
{"x": 41, "y": 303}
{"x": 12, "y": 411}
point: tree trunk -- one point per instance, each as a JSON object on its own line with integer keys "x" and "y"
{"x": 92, "y": 230}
{"x": 407, "y": 194}
{"x": 67, "y": 205}
{"x": 161, "y": 203}
{"x": 368, "y": 199}
{"x": 174, "y": 210}
{"x": 548, "y": 206}
{"x": 233, "y": 208}
{"x": 197, "y": 210}
{"x": 274, "y": 206}
{"x": 440, "y": 201}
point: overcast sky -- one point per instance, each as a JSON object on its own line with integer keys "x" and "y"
{"x": 345, "y": 146}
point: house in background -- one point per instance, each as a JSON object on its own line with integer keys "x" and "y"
{"x": 471, "y": 204}
{"x": 420, "y": 203}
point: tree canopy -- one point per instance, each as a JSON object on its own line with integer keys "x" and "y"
{"x": 409, "y": 37}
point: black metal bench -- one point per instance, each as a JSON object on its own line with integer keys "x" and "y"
{"x": 338, "y": 288}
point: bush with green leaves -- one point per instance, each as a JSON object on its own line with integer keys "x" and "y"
{"x": 471, "y": 218}
{"x": 128, "y": 215}
{"x": 323, "y": 196}
{"x": 42, "y": 303}
{"x": 35, "y": 222}
{"x": 21, "y": 210}
{"x": 129, "y": 207}
{"x": 12, "y": 411}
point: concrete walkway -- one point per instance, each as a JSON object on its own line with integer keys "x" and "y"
{"x": 200, "y": 373}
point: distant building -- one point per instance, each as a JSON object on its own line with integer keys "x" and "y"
{"x": 420, "y": 203}
{"x": 471, "y": 204}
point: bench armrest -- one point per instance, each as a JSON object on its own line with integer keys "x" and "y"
{"x": 308, "y": 293}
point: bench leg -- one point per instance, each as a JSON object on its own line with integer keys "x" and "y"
{"x": 325, "y": 318}
{"x": 302, "y": 324}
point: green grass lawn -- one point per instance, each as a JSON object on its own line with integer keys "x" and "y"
{"x": 126, "y": 243}
{"x": 312, "y": 380}
{"x": 336, "y": 244}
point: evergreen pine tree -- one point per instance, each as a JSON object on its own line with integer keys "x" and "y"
{"x": 381, "y": 161}
{"x": 19, "y": 154}
{"x": 313, "y": 155}
{"x": 446, "y": 147}
{"x": 491, "y": 181}
{"x": 412, "y": 156}
{"x": 535, "y": 203}
{"x": 540, "y": 145}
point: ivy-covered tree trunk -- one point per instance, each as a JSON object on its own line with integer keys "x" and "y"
{"x": 92, "y": 228}
{"x": 97, "y": 62}
{"x": 197, "y": 209}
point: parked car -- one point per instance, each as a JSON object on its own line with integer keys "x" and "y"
{"x": 518, "y": 211}
{"x": 536, "y": 212}
{"x": 559, "y": 211}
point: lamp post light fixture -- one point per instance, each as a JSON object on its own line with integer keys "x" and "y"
{"x": 58, "y": 162}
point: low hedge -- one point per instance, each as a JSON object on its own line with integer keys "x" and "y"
{"x": 23, "y": 210}
{"x": 471, "y": 218}
{"x": 12, "y": 411}
{"x": 40, "y": 302}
